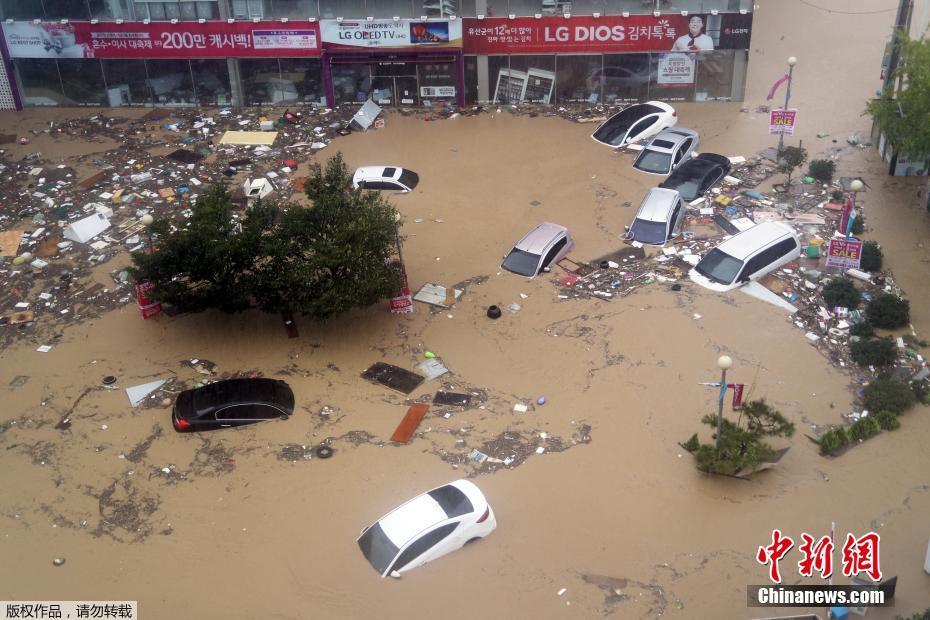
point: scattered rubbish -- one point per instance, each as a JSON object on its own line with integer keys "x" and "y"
{"x": 58, "y": 561}
{"x": 45, "y": 348}
{"x": 451, "y": 399}
{"x": 249, "y": 138}
{"x": 520, "y": 408}
{"x": 408, "y": 425}
{"x": 323, "y": 452}
{"x": 393, "y": 377}
{"x": 139, "y": 393}
{"x": 87, "y": 228}
{"x": 494, "y": 312}
{"x": 477, "y": 456}
{"x": 109, "y": 380}
{"x": 366, "y": 115}
{"x": 432, "y": 368}
{"x": 256, "y": 189}
{"x": 436, "y": 295}
{"x": 541, "y": 400}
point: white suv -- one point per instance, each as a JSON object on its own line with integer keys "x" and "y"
{"x": 747, "y": 256}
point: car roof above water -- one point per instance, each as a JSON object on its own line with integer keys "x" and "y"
{"x": 537, "y": 240}
{"x": 658, "y": 204}
{"x": 743, "y": 245}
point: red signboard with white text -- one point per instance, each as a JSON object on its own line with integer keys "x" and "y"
{"x": 607, "y": 34}
{"x": 213, "y": 39}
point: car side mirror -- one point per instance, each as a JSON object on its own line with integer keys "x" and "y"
{"x": 284, "y": 416}
{"x": 547, "y": 269}
{"x": 395, "y": 574}
{"x": 626, "y": 228}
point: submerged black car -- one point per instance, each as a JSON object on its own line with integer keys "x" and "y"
{"x": 697, "y": 175}
{"x": 233, "y": 402}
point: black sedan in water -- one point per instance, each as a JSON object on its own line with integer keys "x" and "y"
{"x": 697, "y": 175}
{"x": 233, "y": 402}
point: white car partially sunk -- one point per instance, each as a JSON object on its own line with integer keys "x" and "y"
{"x": 385, "y": 177}
{"x": 427, "y": 527}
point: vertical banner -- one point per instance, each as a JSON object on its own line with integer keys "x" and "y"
{"x": 737, "y": 394}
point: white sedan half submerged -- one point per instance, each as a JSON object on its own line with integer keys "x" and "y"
{"x": 427, "y": 527}
{"x": 635, "y": 123}
{"x": 385, "y": 177}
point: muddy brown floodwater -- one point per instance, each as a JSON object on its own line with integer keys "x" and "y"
{"x": 241, "y": 524}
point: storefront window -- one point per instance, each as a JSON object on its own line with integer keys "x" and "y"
{"x": 674, "y": 76}
{"x": 111, "y": 9}
{"x": 537, "y": 76}
{"x": 186, "y": 10}
{"x": 467, "y": 8}
{"x": 65, "y": 9}
{"x": 39, "y": 82}
{"x": 307, "y": 76}
{"x": 714, "y": 79}
{"x": 351, "y": 83}
{"x": 290, "y": 8}
{"x": 211, "y": 81}
{"x": 437, "y": 81}
{"x": 260, "y": 80}
{"x": 624, "y": 78}
{"x": 331, "y": 9}
{"x": 578, "y": 79}
{"x": 126, "y": 83}
{"x": 170, "y": 81}
{"x": 82, "y": 80}
{"x": 471, "y": 79}
{"x": 20, "y": 9}
{"x": 502, "y": 87}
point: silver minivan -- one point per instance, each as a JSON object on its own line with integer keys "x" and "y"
{"x": 747, "y": 256}
{"x": 660, "y": 218}
{"x": 540, "y": 248}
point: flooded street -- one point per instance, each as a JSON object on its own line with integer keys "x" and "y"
{"x": 233, "y": 525}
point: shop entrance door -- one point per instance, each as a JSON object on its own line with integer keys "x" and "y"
{"x": 394, "y": 84}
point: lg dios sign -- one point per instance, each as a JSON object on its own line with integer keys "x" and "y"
{"x": 581, "y": 34}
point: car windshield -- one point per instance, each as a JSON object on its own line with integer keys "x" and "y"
{"x": 377, "y": 548}
{"x": 452, "y": 500}
{"x": 653, "y": 161}
{"x": 719, "y": 267}
{"x": 409, "y": 178}
{"x": 614, "y": 130}
{"x": 688, "y": 189}
{"x": 521, "y": 262}
{"x": 645, "y": 231}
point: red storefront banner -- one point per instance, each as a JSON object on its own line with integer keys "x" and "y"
{"x": 214, "y": 39}
{"x": 636, "y": 33}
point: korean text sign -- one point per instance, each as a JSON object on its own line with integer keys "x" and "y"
{"x": 844, "y": 254}
{"x": 160, "y": 40}
{"x": 782, "y": 121}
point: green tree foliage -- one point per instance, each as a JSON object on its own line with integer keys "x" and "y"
{"x": 862, "y": 329}
{"x": 864, "y": 428}
{"x": 885, "y": 394}
{"x": 822, "y": 170}
{"x": 888, "y": 420}
{"x": 834, "y": 440}
{"x": 841, "y": 292}
{"x": 905, "y": 116}
{"x": 320, "y": 261}
{"x": 888, "y": 312}
{"x": 872, "y": 256}
{"x": 741, "y": 446}
{"x": 916, "y": 616}
{"x": 875, "y": 352}
{"x": 791, "y": 157}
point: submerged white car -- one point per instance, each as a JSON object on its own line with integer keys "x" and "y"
{"x": 635, "y": 123}
{"x": 543, "y": 246}
{"x": 747, "y": 256}
{"x": 427, "y": 527}
{"x": 385, "y": 177}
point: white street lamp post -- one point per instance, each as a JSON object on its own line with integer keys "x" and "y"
{"x": 147, "y": 221}
{"x": 723, "y": 362}
{"x": 781, "y": 137}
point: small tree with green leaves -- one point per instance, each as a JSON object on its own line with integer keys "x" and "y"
{"x": 888, "y": 312}
{"x": 916, "y": 616}
{"x": 822, "y": 170}
{"x": 841, "y": 292}
{"x": 874, "y": 352}
{"x": 741, "y": 446}
{"x": 872, "y": 256}
{"x": 789, "y": 160}
{"x": 886, "y": 394}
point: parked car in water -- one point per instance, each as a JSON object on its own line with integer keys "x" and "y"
{"x": 385, "y": 177}
{"x": 635, "y": 123}
{"x": 660, "y": 217}
{"x": 668, "y": 150}
{"x": 543, "y": 246}
{"x": 427, "y": 527}
{"x": 747, "y": 256}
{"x": 697, "y": 175}
{"x": 232, "y": 402}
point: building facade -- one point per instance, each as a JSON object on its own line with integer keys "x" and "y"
{"x": 116, "y": 53}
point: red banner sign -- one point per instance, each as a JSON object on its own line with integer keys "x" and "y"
{"x": 844, "y": 254}
{"x": 782, "y": 121}
{"x": 636, "y": 33}
{"x": 214, "y": 39}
